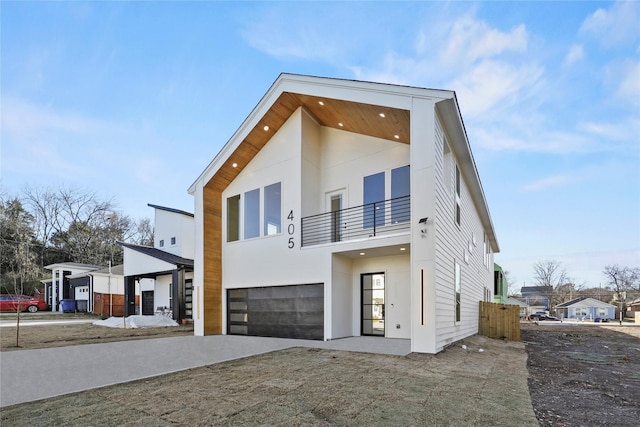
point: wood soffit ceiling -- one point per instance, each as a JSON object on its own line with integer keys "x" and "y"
{"x": 349, "y": 116}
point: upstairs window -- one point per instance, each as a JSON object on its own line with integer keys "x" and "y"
{"x": 458, "y": 212}
{"x": 272, "y": 209}
{"x": 162, "y": 243}
{"x": 233, "y": 218}
{"x": 260, "y": 214}
{"x": 373, "y": 194}
{"x": 400, "y": 187}
{"x": 252, "y": 214}
{"x": 173, "y": 240}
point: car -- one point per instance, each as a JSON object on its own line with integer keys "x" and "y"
{"x": 11, "y": 302}
{"x": 542, "y": 316}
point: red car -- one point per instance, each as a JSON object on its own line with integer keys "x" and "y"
{"x": 10, "y": 302}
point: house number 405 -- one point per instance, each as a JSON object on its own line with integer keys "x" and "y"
{"x": 291, "y": 228}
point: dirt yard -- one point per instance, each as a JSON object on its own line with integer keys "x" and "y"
{"x": 578, "y": 376}
{"x": 64, "y": 335}
{"x": 584, "y": 375}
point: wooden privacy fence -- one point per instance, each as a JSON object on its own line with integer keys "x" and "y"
{"x": 499, "y": 321}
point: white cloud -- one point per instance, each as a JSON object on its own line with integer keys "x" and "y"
{"x": 575, "y": 54}
{"x": 21, "y": 117}
{"x": 547, "y": 182}
{"x": 615, "y": 26}
{"x": 471, "y": 40}
{"x": 491, "y": 83}
{"x": 629, "y": 87}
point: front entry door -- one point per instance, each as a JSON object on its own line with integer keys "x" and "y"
{"x": 372, "y": 285}
{"x": 147, "y": 303}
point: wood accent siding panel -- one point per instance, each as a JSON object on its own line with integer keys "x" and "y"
{"x": 212, "y": 257}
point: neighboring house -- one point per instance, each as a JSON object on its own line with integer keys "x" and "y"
{"x": 59, "y": 288}
{"x": 586, "y": 308}
{"x": 344, "y": 208}
{"x": 164, "y": 272}
{"x": 523, "y": 306}
{"x": 536, "y": 298}
{"x": 100, "y": 291}
{"x": 500, "y": 286}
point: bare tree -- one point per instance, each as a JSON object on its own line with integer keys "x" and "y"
{"x": 75, "y": 225}
{"x": 550, "y": 276}
{"x": 512, "y": 290}
{"x": 623, "y": 281}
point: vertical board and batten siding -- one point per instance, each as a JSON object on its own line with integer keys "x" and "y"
{"x": 501, "y": 321}
{"x": 451, "y": 243}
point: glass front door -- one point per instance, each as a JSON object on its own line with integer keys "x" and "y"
{"x": 372, "y": 285}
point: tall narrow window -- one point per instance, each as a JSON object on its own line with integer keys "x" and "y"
{"x": 447, "y": 166}
{"x": 400, "y": 191}
{"x": 458, "y": 290}
{"x": 233, "y": 218}
{"x": 252, "y": 214}
{"x": 272, "y": 209}
{"x": 458, "y": 213}
{"x": 373, "y": 197}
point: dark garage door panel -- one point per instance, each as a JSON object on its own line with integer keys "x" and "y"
{"x": 295, "y": 311}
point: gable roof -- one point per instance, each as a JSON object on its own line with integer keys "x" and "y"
{"x": 584, "y": 302}
{"x": 163, "y": 208}
{"x": 348, "y": 105}
{"x": 158, "y": 254}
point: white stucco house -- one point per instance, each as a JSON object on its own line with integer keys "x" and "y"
{"x": 344, "y": 208}
{"x": 164, "y": 272}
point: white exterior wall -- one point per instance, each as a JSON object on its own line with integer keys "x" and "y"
{"x": 397, "y": 296}
{"x": 423, "y": 287}
{"x": 181, "y": 227}
{"x": 325, "y": 160}
{"x": 162, "y": 291}
{"x": 108, "y": 284}
{"x": 455, "y": 244}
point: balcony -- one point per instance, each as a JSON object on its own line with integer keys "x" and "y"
{"x": 359, "y": 222}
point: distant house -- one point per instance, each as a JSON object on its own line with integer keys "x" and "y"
{"x": 500, "y": 286}
{"x": 586, "y": 308}
{"x": 95, "y": 289}
{"x": 523, "y": 306}
{"x": 59, "y": 288}
{"x": 164, "y": 272}
{"x": 100, "y": 291}
{"x": 536, "y": 297}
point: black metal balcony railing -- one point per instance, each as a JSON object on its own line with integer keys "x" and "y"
{"x": 373, "y": 219}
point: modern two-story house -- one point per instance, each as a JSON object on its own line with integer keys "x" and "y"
{"x": 163, "y": 273}
{"x": 344, "y": 208}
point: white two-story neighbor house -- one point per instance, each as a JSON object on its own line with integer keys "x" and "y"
{"x": 344, "y": 208}
{"x": 163, "y": 273}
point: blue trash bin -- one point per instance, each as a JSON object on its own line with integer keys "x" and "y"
{"x": 68, "y": 305}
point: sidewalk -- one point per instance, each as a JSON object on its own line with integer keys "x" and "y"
{"x": 29, "y": 375}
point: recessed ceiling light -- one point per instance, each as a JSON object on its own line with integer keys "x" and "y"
{"x": 396, "y": 136}
{"x": 402, "y": 249}
{"x": 235, "y": 165}
{"x": 266, "y": 128}
{"x": 381, "y": 115}
{"x": 340, "y": 124}
{"x": 320, "y": 102}
{"x": 361, "y": 253}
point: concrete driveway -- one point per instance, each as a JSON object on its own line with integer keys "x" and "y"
{"x": 29, "y": 375}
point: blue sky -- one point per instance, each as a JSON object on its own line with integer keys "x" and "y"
{"x": 133, "y": 99}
